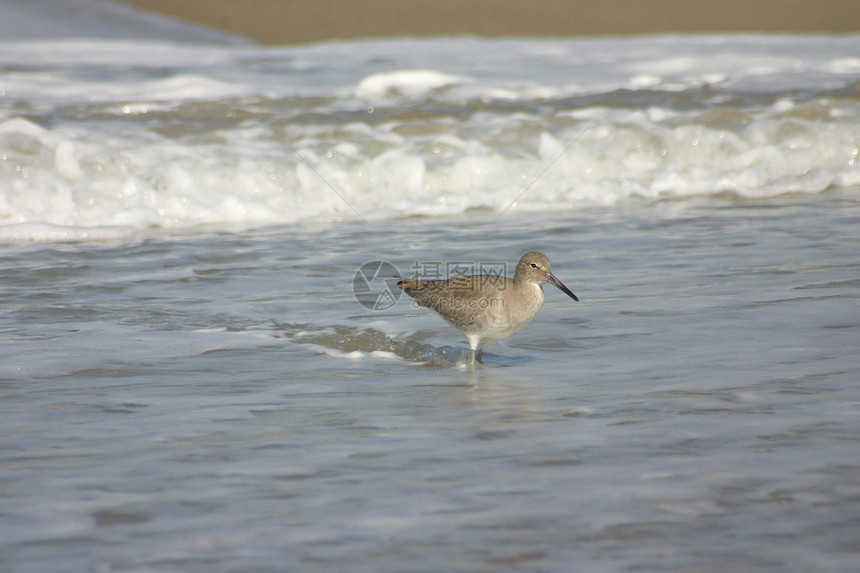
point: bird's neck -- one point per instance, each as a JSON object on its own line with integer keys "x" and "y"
{"x": 529, "y": 289}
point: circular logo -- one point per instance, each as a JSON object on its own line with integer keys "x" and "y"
{"x": 374, "y": 285}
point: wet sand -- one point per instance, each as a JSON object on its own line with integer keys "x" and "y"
{"x": 300, "y": 21}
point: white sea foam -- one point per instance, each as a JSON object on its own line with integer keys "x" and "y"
{"x": 408, "y": 82}
{"x": 103, "y": 139}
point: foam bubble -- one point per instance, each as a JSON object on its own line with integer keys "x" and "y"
{"x": 404, "y": 83}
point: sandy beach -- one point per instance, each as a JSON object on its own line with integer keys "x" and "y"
{"x": 301, "y": 21}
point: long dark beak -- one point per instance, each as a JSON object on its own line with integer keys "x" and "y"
{"x": 551, "y": 278}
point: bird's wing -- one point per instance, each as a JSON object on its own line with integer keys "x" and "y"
{"x": 451, "y": 297}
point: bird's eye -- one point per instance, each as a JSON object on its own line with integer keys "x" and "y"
{"x": 533, "y": 265}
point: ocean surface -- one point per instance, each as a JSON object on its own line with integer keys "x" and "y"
{"x": 204, "y": 366}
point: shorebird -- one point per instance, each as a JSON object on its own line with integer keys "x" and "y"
{"x": 487, "y": 307}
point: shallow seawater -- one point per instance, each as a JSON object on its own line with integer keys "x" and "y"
{"x": 203, "y": 366}
{"x": 221, "y": 401}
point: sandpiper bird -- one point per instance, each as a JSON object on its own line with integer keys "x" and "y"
{"x": 487, "y": 307}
